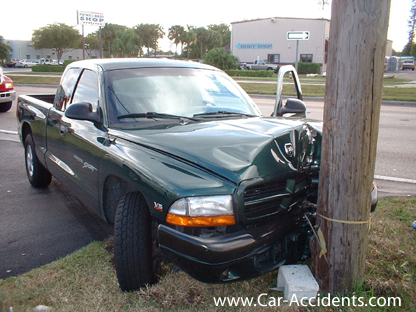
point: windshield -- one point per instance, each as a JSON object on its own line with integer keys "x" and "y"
{"x": 185, "y": 92}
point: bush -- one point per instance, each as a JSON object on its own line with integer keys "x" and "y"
{"x": 221, "y": 59}
{"x": 308, "y": 68}
{"x": 250, "y": 73}
{"x": 47, "y": 69}
{"x": 67, "y": 62}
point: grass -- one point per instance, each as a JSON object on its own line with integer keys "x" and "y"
{"x": 35, "y": 79}
{"x": 309, "y": 90}
{"x": 86, "y": 280}
{"x": 389, "y": 93}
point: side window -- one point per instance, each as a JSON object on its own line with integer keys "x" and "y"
{"x": 66, "y": 88}
{"x": 87, "y": 89}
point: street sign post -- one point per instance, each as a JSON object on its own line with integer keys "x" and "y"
{"x": 297, "y": 35}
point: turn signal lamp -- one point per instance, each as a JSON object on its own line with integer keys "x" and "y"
{"x": 204, "y": 211}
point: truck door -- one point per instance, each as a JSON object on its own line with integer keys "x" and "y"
{"x": 74, "y": 149}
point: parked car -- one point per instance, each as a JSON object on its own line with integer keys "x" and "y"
{"x": 49, "y": 61}
{"x": 181, "y": 160}
{"x": 7, "y": 93}
{"x": 408, "y": 64}
{"x": 25, "y": 63}
{"x": 242, "y": 65}
{"x": 12, "y": 62}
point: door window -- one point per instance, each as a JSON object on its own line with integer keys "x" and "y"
{"x": 87, "y": 89}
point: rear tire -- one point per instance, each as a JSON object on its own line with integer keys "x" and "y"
{"x": 134, "y": 245}
{"x": 37, "y": 174}
{"x": 5, "y": 107}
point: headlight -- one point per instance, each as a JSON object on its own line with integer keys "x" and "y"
{"x": 204, "y": 211}
{"x": 9, "y": 85}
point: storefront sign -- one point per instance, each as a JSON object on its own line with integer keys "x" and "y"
{"x": 255, "y": 46}
{"x": 90, "y": 18}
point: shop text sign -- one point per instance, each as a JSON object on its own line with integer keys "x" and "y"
{"x": 255, "y": 46}
{"x": 90, "y": 18}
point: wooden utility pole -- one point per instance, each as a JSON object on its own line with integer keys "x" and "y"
{"x": 357, "y": 47}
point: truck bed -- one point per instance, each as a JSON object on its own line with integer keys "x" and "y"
{"x": 49, "y": 98}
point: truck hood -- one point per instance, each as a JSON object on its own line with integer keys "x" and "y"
{"x": 238, "y": 149}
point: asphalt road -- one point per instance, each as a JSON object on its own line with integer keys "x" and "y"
{"x": 40, "y": 226}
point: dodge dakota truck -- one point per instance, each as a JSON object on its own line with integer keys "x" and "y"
{"x": 179, "y": 158}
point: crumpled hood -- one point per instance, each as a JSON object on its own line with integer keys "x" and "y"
{"x": 238, "y": 149}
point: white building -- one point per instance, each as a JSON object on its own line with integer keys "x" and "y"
{"x": 266, "y": 39}
{"x": 23, "y": 49}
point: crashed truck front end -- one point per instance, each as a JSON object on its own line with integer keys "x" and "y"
{"x": 270, "y": 213}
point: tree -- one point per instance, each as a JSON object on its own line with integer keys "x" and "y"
{"x": 150, "y": 34}
{"x": 358, "y": 36}
{"x": 221, "y": 59}
{"x": 207, "y": 39}
{"x": 188, "y": 38}
{"x": 412, "y": 29}
{"x": 126, "y": 44}
{"x": 92, "y": 42}
{"x": 224, "y": 31}
{"x": 413, "y": 50}
{"x": 176, "y": 34}
{"x": 5, "y": 49}
{"x": 59, "y": 37}
{"x": 109, "y": 34}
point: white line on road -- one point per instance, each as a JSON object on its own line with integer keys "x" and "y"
{"x": 8, "y": 132}
{"x": 393, "y": 179}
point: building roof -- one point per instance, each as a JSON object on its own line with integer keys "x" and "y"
{"x": 280, "y": 18}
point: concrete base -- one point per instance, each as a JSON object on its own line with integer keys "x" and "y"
{"x": 297, "y": 280}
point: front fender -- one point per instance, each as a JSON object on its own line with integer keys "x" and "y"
{"x": 161, "y": 179}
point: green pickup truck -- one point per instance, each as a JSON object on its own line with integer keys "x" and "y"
{"x": 179, "y": 158}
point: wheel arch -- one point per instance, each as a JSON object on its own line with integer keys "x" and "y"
{"x": 26, "y": 130}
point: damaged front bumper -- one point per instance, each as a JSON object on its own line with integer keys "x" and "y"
{"x": 240, "y": 255}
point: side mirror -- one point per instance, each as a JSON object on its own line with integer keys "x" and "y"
{"x": 293, "y": 106}
{"x": 82, "y": 111}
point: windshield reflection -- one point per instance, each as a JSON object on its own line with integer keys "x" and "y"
{"x": 173, "y": 91}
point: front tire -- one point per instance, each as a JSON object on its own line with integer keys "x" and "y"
{"x": 134, "y": 245}
{"x": 5, "y": 107}
{"x": 37, "y": 174}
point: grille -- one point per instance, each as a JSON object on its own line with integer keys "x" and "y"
{"x": 264, "y": 199}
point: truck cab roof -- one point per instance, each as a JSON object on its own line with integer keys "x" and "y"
{"x": 124, "y": 63}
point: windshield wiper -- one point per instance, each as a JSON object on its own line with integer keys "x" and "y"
{"x": 224, "y": 113}
{"x": 154, "y": 115}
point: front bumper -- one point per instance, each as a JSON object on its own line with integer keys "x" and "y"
{"x": 7, "y": 96}
{"x": 235, "y": 256}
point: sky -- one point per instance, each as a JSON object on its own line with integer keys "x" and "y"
{"x": 20, "y": 24}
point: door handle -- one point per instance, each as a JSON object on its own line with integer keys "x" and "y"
{"x": 63, "y": 129}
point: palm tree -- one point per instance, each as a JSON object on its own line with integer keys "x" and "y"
{"x": 109, "y": 34}
{"x": 176, "y": 34}
{"x": 189, "y": 37}
{"x": 127, "y": 44}
{"x": 150, "y": 33}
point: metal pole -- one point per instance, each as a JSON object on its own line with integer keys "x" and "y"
{"x": 297, "y": 55}
{"x": 101, "y": 43}
{"x": 83, "y": 43}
